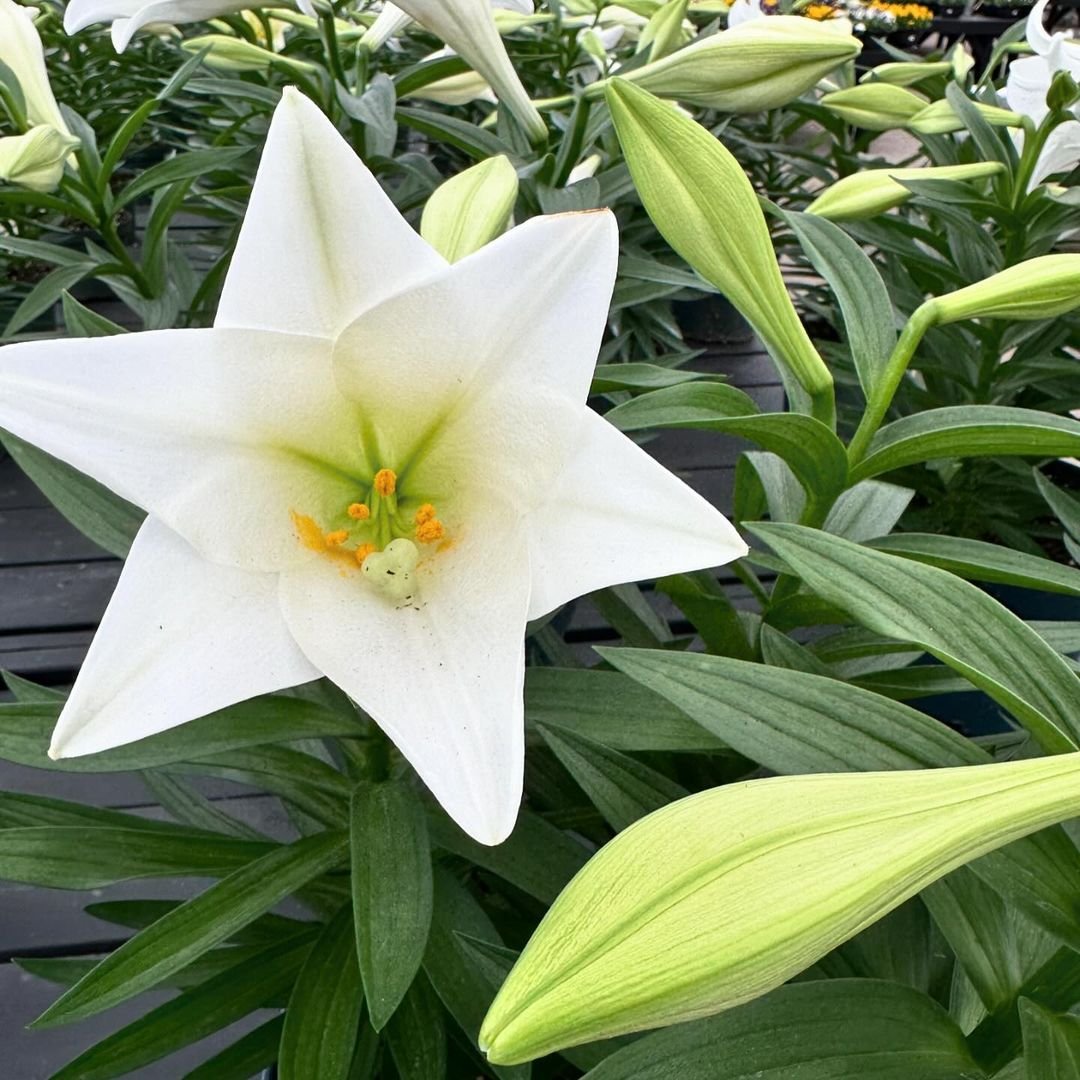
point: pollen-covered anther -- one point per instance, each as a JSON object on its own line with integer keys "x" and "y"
{"x": 336, "y": 538}
{"x": 425, "y": 513}
{"x": 363, "y": 551}
{"x": 359, "y": 511}
{"x": 385, "y": 482}
{"x": 427, "y": 532}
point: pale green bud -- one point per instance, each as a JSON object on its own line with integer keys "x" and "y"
{"x": 36, "y": 159}
{"x": 906, "y": 74}
{"x": 470, "y": 209}
{"x": 665, "y": 31}
{"x": 722, "y": 896}
{"x": 962, "y": 61}
{"x": 758, "y": 65}
{"x": 875, "y": 106}
{"x": 1041, "y": 288}
{"x": 874, "y": 191}
{"x": 701, "y": 201}
{"x": 939, "y": 118}
{"x": 228, "y": 53}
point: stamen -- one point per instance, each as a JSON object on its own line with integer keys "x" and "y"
{"x": 308, "y": 532}
{"x": 425, "y": 513}
{"x": 363, "y": 551}
{"x": 427, "y": 532}
{"x": 385, "y": 482}
{"x": 359, "y": 512}
{"x": 336, "y": 538}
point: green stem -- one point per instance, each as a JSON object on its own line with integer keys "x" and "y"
{"x": 882, "y": 395}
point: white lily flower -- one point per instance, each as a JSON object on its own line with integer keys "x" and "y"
{"x": 21, "y": 50}
{"x": 455, "y": 89}
{"x": 129, "y": 16}
{"x": 468, "y": 27}
{"x": 744, "y": 11}
{"x": 1029, "y": 80}
{"x": 392, "y": 20}
{"x": 357, "y": 390}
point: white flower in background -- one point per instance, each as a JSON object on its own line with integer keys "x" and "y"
{"x": 375, "y": 466}
{"x": 1025, "y": 92}
{"x": 598, "y": 44}
{"x": 20, "y": 50}
{"x": 456, "y": 89}
{"x": 35, "y": 159}
{"x": 392, "y": 20}
{"x": 468, "y": 27}
{"x": 129, "y": 16}
{"x": 743, "y": 11}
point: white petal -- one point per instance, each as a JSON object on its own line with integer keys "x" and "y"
{"x": 617, "y": 515}
{"x": 181, "y": 638}
{"x": 389, "y": 23}
{"x": 1061, "y": 152}
{"x": 530, "y": 305}
{"x": 22, "y": 52}
{"x": 1037, "y": 35}
{"x": 321, "y": 241}
{"x": 443, "y": 676}
{"x": 468, "y": 27}
{"x": 1025, "y": 89}
{"x": 220, "y": 433}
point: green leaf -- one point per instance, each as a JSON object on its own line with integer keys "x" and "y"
{"x": 968, "y": 431}
{"x": 1064, "y": 505}
{"x": 41, "y": 251}
{"x": 947, "y": 617}
{"x": 621, "y": 788}
{"x": 794, "y": 722}
{"x": 197, "y": 926}
{"x": 193, "y": 1015}
{"x": 25, "y": 731}
{"x": 979, "y": 561}
{"x": 30, "y": 693}
{"x": 416, "y": 1034}
{"x": 46, "y": 293}
{"x": 609, "y": 708}
{"x": 188, "y": 805}
{"x": 702, "y": 599}
{"x": 631, "y": 615}
{"x": 464, "y": 991}
{"x": 837, "y": 1029}
{"x": 815, "y": 454}
{"x": 868, "y": 509}
{"x": 82, "y": 322}
{"x": 323, "y": 1015}
{"x": 1051, "y": 1043}
{"x": 256, "y": 1050}
{"x": 391, "y": 889}
{"x": 185, "y": 166}
{"x": 64, "y": 857}
{"x": 96, "y": 512}
{"x": 474, "y": 141}
{"x": 537, "y": 857}
{"x": 869, "y": 321}
{"x": 637, "y": 377}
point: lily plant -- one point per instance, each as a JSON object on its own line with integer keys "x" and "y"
{"x": 376, "y": 466}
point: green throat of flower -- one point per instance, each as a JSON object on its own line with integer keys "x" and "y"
{"x": 383, "y": 535}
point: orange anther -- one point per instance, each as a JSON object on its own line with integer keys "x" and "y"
{"x": 336, "y": 538}
{"x": 363, "y": 551}
{"x": 425, "y": 513}
{"x": 359, "y": 512}
{"x": 385, "y": 482}
{"x": 427, "y": 532}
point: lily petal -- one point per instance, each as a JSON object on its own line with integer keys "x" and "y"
{"x": 616, "y": 515}
{"x": 321, "y": 241}
{"x": 443, "y": 676}
{"x": 219, "y": 433}
{"x": 22, "y": 52}
{"x": 541, "y": 292}
{"x": 1061, "y": 152}
{"x": 181, "y": 638}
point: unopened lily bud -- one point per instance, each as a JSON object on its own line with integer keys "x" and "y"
{"x": 1063, "y": 92}
{"x": 875, "y": 106}
{"x": 760, "y": 64}
{"x": 584, "y": 169}
{"x": 35, "y": 160}
{"x": 665, "y": 31}
{"x": 702, "y": 203}
{"x": 22, "y": 53}
{"x": 939, "y": 118}
{"x": 470, "y": 209}
{"x": 228, "y": 53}
{"x": 722, "y": 896}
{"x": 874, "y": 191}
{"x": 1041, "y": 288}
{"x": 906, "y": 74}
{"x": 962, "y": 60}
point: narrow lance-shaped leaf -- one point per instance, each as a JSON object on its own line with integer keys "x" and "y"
{"x": 720, "y": 897}
{"x": 955, "y": 621}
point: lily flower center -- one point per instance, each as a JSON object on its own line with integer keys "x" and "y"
{"x": 384, "y": 532}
